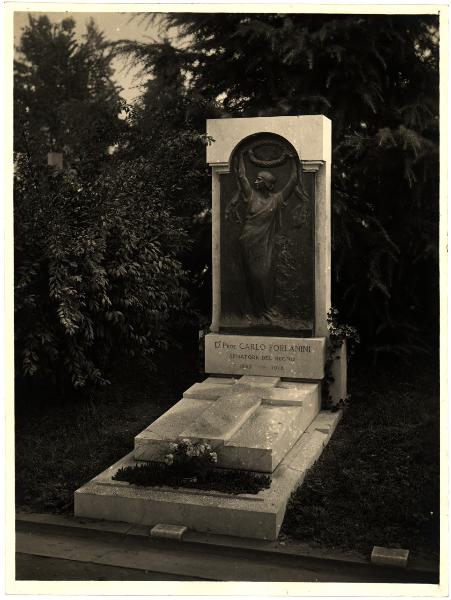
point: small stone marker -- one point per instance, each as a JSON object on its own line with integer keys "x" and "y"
{"x": 389, "y": 557}
{"x": 55, "y": 159}
{"x": 170, "y": 532}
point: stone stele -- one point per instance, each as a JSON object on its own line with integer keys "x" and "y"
{"x": 260, "y": 408}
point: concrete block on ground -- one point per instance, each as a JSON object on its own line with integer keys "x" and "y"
{"x": 170, "y": 532}
{"x": 389, "y": 557}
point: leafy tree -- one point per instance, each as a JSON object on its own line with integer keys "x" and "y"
{"x": 166, "y": 126}
{"x": 64, "y": 97}
{"x": 96, "y": 273}
{"x": 97, "y": 250}
{"x": 376, "y": 77}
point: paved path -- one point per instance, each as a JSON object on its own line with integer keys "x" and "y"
{"x": 51, "y": 551}
{"x": 40, "y": 568}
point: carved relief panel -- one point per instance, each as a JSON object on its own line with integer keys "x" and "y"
{"x": 267, "y": 240}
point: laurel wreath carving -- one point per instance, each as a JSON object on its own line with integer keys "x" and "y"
{"x": 268, "y": 163}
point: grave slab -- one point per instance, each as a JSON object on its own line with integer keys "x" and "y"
{"x": 251, "y": 424}
{"x": 255, "y": 516}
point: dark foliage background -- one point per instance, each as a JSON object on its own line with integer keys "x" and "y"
{"x": 376, "y": 78}
{"x": 129, "y": 217}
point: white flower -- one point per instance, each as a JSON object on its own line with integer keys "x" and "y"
{"x": 213, "y": 457}
{"x": 169, "y": 459}
{"x": 173, "y": 446}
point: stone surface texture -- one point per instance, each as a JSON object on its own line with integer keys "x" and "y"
{"x": 257, "y": 516}
{"x": 294, "y": 358}
{"x": 223, "y": 418}
{"x": 251, "y": 422}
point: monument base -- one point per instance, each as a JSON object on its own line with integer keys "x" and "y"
{"x": 256, "y": 516}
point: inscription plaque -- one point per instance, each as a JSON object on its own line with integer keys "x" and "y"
{"x": 292, "y": 358}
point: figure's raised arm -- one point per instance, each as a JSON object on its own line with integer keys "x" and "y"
{"x": 243, "y": 181}
{"x": 292, "y": 181}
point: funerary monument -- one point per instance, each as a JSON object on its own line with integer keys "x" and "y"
{"x": 260, "y": 406}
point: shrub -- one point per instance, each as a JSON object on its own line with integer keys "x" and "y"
{"x": 96, "y": 273}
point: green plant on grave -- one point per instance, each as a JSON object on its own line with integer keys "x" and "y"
{"x": 338, "y": 334}
{"x": 227, "y": 481}
{"x": 194, "y": 458}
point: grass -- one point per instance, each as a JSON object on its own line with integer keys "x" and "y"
{"x": 61, "y": 446}
{"x": 376, "y": 483}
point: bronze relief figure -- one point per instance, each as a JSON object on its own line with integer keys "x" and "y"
{"x": 268, "y": 191}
